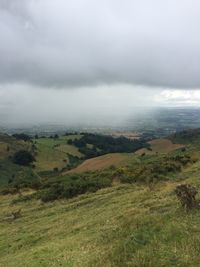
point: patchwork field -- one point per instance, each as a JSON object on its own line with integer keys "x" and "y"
{"x": 160, "y": 146}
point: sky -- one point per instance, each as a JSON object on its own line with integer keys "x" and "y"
{"x": 74, "y": 60}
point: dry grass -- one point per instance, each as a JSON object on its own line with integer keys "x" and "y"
{"x": 3, "y": 150}
{"x": 9, "y": 147}
{"x": 122, "y": 226}
{"x": 126, "y": 225}
{"x": 85, "y": 231}
{"x": 102, "y": 162}
{"x": 160, "y": 146}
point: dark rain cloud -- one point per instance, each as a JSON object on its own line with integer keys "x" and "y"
{"x": 77, "y": 43}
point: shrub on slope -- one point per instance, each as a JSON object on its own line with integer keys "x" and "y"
{"x": 23, "y": 157}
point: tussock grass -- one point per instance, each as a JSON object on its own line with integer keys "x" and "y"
{"x": 125, "y": 225}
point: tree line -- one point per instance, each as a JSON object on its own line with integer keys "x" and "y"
{"x": 92, "y": 145}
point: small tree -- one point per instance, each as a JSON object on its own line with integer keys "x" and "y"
{"x": 23, "y": 157}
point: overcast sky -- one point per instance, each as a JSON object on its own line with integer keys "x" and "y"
{"x": 65, "y": 58}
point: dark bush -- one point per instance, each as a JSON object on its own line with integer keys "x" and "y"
{"x": 22, "y": 136}
{"x": 186, "y": 194}
{"x": 73, "y": 186}
{"x": 9, "y": 190}
{"x": 23, "y": 157}
{"x": 70, "y": 142}
{"x": 156, "y": 170}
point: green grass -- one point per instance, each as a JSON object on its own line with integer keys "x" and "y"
{"x": 125, "y": 225}
{"x": 7, "y": 171}
{"x": 12, "y": 174}
{"x": 52, "y": 153}
{"x": 71, "y": 149}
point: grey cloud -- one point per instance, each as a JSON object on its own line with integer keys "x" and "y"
{"x": 97, "y": 106}
{"x": 78, "y": 43}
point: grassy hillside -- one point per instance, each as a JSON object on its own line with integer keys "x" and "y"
{"x": 103, "y": 162}
{"x": 53, "y": 152}
{"x": 9, "y": 145}
{"x": 50, "y": 153}
{"x": 127, "y": 215}
{"x": 10, "y": 172}
{"x": 62, "y": 153}
{"x": 159, "y": 146}
{"x": 125, "y": 225}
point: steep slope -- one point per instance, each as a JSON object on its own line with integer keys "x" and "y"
{"x": 126, "y": 225}
{"x": 137, "y": 224}
{"x": 102, "y": 162}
